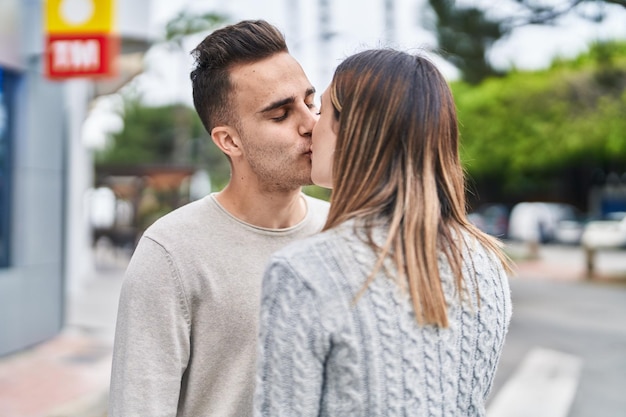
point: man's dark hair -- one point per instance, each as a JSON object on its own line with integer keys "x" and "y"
{"x": 244, "y": 42}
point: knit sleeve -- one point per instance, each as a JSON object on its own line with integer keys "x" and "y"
{"x": 501, "y": 292}
{"x": 292, "y": 345}
{"x": 152, "y": 344}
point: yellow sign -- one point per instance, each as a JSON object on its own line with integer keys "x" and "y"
{"x": 79, "y": 38}
{"x": 79, "y": 16}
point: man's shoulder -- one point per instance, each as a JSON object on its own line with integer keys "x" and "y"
{"x": 180, "y": 216}
{"x": 184, "y": 222}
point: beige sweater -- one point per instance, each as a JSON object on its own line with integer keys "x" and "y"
{"x": 186, "y": 332}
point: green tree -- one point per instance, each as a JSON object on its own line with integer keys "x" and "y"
{"x": 185, "y": 24}
{"x": 522, "y": 131}
{"x": 150, "y": 137}
{"x": 465, "y": 36}
{"x": 146, "y": 136}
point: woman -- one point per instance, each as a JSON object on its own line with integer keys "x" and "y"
{"x": 400, "y": 307}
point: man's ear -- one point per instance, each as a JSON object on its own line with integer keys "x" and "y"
{"x": 227, "y": 139}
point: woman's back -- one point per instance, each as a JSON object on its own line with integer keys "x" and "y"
{"x": 322, "y": 354}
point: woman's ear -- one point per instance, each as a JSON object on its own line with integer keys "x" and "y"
{"x": 227, "y": 139}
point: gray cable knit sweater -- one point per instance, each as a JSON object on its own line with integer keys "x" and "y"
{"x": 320, "y": 355}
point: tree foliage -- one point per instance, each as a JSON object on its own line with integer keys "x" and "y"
{"x": 186, "y": 23}
{"x": 163, "y": 135}
{"x": 464, "y": 36}
{"x": 529, "y": 126}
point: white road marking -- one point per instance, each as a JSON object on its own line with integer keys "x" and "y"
{"x": 543, "y": 385}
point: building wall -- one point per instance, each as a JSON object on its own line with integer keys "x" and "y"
{"x": 31, "y": 285}
{"x": 50, "y": 171}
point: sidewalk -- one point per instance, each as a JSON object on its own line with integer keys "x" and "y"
{"x": 68, "y": 376}
{"x": 566, "y": 263}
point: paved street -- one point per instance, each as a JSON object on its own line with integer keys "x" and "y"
{"x": 583, "y": 321}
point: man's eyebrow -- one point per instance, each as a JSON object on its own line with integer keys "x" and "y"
{"x": 277, "y": 104}
{"x": 283, "y": 102}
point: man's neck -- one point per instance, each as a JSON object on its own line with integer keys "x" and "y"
{"x": 268, "y": 209}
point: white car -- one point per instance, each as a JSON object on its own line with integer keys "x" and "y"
{"x": 540, "y": 222}
{"x": 569, "y": 231}
{"x": 607, "y": 234}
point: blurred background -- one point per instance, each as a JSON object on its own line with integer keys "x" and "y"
{"x": 98, "y": 138}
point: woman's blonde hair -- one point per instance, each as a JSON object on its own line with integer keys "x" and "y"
{"x": 397, "y": 157}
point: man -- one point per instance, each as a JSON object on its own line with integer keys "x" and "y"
{"x": 186, "y": 334}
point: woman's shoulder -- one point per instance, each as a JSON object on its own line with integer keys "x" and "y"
{"x": 314, "y": 266}
{"x": 316, "y": 260}
{"x": 307, "y": 250}
{"x": 325, "y": 244}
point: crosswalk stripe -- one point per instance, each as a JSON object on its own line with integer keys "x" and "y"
{"x": 543, "y": 385}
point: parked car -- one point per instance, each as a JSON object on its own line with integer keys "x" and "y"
{"x": 545, "y": 222}
{"x": 606, "y": 234}
{"x": 569, "y": 231}
{"x": 492, "y": 219}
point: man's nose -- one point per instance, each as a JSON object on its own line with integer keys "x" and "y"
{"x": 307, "y": 122}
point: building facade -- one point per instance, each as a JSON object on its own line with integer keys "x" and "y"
{"x": 44, "y": 173}
{"x": 32, "y": 190}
